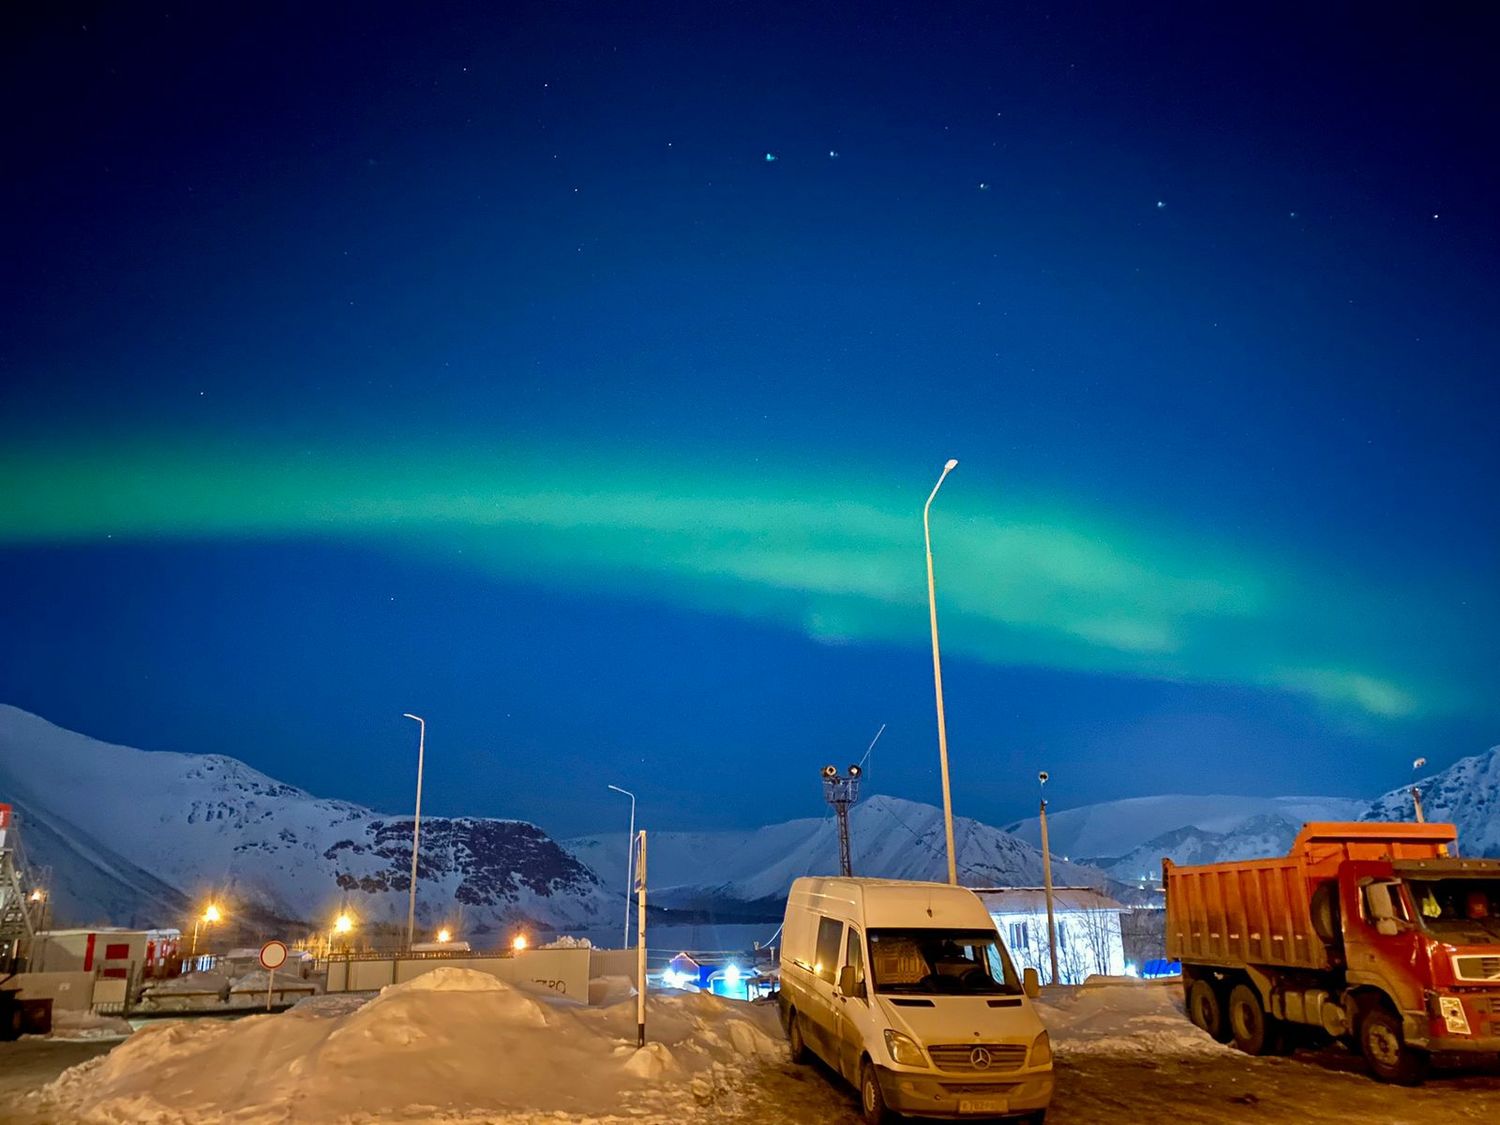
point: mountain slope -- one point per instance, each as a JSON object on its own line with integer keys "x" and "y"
{"x": 1113, "y": 830}
{"x": 889, "y": 837}
{"x": 131, "y": 832}
{"x": 1467, "y": 793}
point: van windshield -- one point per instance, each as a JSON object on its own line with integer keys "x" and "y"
{"x": 941, "y": 962}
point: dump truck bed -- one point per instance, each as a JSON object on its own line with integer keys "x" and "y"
{"x": 1259, "y": 911}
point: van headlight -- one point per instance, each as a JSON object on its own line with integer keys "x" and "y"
{"x": 1041, "y": 1051}
{"x": 904, "y": 1049}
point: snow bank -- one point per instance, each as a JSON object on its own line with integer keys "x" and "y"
{"x": 453, "y": 1044}
{"x": 68, "y": 1023}
{"x": 1117, "y": 1018}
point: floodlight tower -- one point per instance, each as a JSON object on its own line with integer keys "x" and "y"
{"x": 841, "y": 792}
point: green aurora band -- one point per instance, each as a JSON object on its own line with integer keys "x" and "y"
{"x": 836, "y": 558}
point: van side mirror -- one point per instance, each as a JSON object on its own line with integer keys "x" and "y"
{"x": 849, "y": 984}
{"x": 1031, "y": 983}
{"x": 1387, "y": 927}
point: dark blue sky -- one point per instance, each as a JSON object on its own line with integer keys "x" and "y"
{"x": 475, "y": 360}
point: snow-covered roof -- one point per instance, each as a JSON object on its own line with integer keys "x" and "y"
{"x": 1031, "y": 900}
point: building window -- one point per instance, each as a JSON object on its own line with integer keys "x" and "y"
{"x": 1020, "y": 937}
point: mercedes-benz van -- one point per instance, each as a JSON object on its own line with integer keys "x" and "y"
{"x": 907, "y": 991}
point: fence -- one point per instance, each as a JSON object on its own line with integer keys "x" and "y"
{"x": 562, "y": 971}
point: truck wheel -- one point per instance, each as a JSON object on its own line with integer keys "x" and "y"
{"x": 871, "y": 1097}
{"x": 1206, "y": 1010}
{"x": 1386, "y": 1051}
{"x": 1253, "y": 1030}
{"x": 795, "y": 1043}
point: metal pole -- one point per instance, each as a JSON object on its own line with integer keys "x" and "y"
{"x": 1047, "y": 881}
{"x": 629, "y": 862}
{"x": 937, "y": 677}
{"x": 640, "y": 945}
{"x": 416, "y": 833}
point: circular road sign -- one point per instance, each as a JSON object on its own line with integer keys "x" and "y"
{"x": 273, "y": 955}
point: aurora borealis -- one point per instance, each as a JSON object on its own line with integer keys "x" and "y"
{"x": 486, "y": 368}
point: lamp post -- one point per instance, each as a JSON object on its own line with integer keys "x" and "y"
{"x": 1416, "y": 792}
{"x": 416, "y": 831}
{"x": 629, "y": 861}
{"x": 1047, "y": 881}
{"x": 937, "y": 676}
{"x": 208, "y": 917}
{"x": 39, "y": 899}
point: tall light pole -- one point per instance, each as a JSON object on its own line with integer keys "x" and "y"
{"x": 937, "y": 676}
{"x": 416, "y": 831}
{"x": 1047, "y": 881}
{"x": 629, "y": 861}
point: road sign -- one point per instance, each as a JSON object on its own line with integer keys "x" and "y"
{"x": 273, "y": 955}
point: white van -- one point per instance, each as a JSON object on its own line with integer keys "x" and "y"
{"x": 907, "y": 991}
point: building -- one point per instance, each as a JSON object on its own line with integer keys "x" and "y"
{"x": 1089, "y": 939}
{"x": 109, "y": 951}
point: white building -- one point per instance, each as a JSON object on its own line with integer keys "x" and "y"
{"x": 1088, "y": 930}
{"x": 108, "y": 952}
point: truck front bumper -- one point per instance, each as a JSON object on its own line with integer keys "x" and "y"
{"x": 963, "y": 1096}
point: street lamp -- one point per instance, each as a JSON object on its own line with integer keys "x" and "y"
{"x": 416, "y": 830}
{"x": 445, "y": 935}
{"x": 1042, "y": 779}
{"x": 518, "y": 943}
{"x": 208, "y": 917}
{"x": 937, "y": 676}
{"x": 629, "y": 864}
{"x": 343, "y": 925}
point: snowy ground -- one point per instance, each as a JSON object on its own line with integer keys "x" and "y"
{"x": 454, "y": 1046}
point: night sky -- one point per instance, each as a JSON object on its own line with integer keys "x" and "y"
{"x": 574, "y": 375}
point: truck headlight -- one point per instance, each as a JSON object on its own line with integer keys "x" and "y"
{"x": 904, "y": 1049}
{"x": 1451, "y": 1008}
{"x": 1041, "y": 1051}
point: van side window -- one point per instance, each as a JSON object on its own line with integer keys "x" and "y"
{"x": 854, "y": 956}
{"x": 830, "y": 937}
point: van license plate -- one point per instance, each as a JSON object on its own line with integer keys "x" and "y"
{"x": 983, "y": 1105}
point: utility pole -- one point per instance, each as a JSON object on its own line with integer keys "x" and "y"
{"x": 1416, "y": 794}
{"x": 1047, "y": 882}
{"x": 416, "y": 832}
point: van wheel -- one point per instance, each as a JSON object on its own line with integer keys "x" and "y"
{"x": 1386, "y": 1052}
{"x": 1253, "y": 1030}
{"x": 871, "y": 1099}
{"x": 1206, "y": 1010}
{"x": 795, "y": 1043}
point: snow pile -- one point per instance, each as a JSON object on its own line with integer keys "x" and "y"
{"x": 69, "y": 1023}
{"x": 258, "y": 980}
{"x": 188, "y": 983}
{"x": 452, "y": 1044}
{"x": 563, "y": 941}
{"x": 1122, "y": 1019}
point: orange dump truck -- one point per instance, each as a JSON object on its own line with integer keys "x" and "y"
{"x": 1370, "y": 933}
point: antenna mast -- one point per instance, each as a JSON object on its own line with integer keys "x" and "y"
{"x": 841, "y": 792}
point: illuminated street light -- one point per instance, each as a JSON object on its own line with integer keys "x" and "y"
{"x": 937, "y": 676}
{"x": 518, "y": 943}
{"x": 343, "y": 924}
{"x": 444, "y": 936}
{"x": 208, "y": 918}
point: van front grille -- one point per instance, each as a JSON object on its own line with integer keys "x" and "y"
{"x": 978, "y": 1057}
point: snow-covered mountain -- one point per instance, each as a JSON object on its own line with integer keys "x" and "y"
{"x": 137, "y": 836}
{"x": 889, "y": 837}
{"x": 1467, "y": 793}
{"x": 1132, "y": 835}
